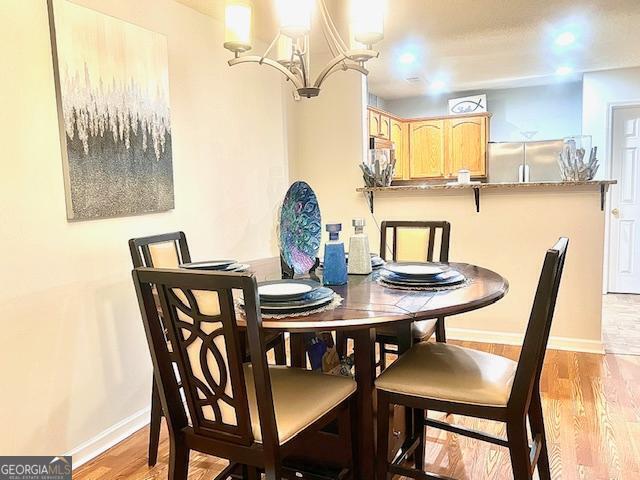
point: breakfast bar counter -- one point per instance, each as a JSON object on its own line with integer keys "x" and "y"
{"x": 603, "y": 185}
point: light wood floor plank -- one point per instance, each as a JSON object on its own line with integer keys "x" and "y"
{"x": 592, "y": 414}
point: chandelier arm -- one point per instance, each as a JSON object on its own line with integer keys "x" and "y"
{"x": 266, "y": 53}
{"x": 303, "y": 69}
{"x": 266, "y": 61}
{"x": 343, "y": 45}
{"x": 357, "y": 68}
{"x": 325, "y": 34}
{"x": 343, "y": 66}
{"x": 327, "y": 70}
{"x": 331, "y": 28}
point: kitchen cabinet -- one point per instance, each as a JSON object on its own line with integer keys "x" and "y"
{"x": 427, "y": 149}
{"x": 385, "y": 127}
{"x": 399, "y": 136}
{"x": 466, "y": 144}
{"x": 379, "y": 124}
{"x": 374, "y": 123}
{"x": 434, "y": 148}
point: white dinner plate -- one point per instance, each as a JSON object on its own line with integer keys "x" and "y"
{"x": 278, "y": 290}
{"x": 417, "y": 269}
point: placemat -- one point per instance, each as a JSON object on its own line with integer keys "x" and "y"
{"x": 335, "y": 303}
{"x": 423, "y": 288}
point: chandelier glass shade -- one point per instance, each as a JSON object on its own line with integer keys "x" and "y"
{"x": 289, "y": 52}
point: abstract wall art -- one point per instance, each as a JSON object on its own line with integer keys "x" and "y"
{"x": 112, "y": 90}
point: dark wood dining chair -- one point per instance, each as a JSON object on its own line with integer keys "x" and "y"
{"x": 402, "y": 241}
{"x": 252, "y": 414}
{"x": 169, "y": 250}
{"x": 463, "y": 381}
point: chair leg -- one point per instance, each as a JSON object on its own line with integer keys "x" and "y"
{"x": 154, "y": 425}
{"x": 178, "y": 460}
{"x": 536, "y": 421}
{"x": 441, "y": 335}
{"x": 383, "y": 356}
{"x": 418, "y": 429}
{"x": 250, "y": 473}
{"x": 273, "y": 472}
{"x": 519, "y": 449}
{"x": 279, "y": 350}
{"x": 382, "y": 456}
{"x": 341, "y": 344}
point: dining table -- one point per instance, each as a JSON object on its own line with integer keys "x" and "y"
{"x": 368, "y": 304}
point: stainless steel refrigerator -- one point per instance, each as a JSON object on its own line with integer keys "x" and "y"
{"x": 524, "y": 161}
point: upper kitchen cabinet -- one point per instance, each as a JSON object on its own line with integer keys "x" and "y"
{"x": 466, "y": 141}
{"x": 379, "y": 124}
{"x": 374, "y": 123}
{"x": 399, "y": 136}
{"x": 434, "y": 148}
{"x": 427, "y": 149}
{"x": 385, "y": 127}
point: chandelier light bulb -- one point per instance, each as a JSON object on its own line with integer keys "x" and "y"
{"x": 295, "y": 17}
{"x": 285, "y": 50}
{"x": 367, "y": 21}
{"x": 237, "y": 22}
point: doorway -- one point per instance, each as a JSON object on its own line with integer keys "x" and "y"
{"x": 621, "y": 315}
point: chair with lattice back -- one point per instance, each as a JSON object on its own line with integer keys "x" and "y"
{"x": 169, "y": 250}
{"x": 251, "y": 414}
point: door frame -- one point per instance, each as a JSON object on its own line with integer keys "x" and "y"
{"x": 611, "y": 108}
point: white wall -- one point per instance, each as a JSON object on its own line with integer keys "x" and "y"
{"x": 74, "y": 358}
{"x": 554, "y": 111}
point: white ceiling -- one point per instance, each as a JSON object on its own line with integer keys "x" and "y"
{"x": 471, "y": 44}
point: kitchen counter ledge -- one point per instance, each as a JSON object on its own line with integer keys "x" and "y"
{"x": 476, "y": 187}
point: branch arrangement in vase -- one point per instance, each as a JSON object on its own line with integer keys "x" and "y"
{"x": 573, "y": 167}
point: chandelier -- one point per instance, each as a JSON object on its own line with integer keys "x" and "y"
{"x": 289, "y": 52}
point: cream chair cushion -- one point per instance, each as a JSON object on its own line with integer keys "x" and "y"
{"x": 164, "y": 254}
{"x": 447, "y": 372}
{"x": 421, "y": 330}
{"x": 300, "y": 397}
{"x": 411, "y": 244}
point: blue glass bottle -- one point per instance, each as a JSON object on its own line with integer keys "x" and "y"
{"x": 335, "y": 264}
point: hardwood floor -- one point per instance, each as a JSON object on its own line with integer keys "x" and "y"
{"x": 592, "y": 416}
{"x": 621, "y": 323}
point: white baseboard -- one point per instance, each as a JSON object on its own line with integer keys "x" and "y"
{"x": 108, "y": 438}
{"x": 555, "y": 343}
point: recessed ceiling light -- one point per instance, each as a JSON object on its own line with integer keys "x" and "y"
{"x": 565, "y": 39}
{"x": 407, "y": 58}
{"x": 438, "y": 85}
{"x": 564, "y": 70}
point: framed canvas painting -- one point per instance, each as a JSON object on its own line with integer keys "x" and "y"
{"x": 112, "y": 89}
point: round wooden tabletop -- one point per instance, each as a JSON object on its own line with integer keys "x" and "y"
{"x": 366, "y": 303}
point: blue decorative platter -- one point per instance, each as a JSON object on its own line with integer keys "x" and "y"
{"x": 300, "y": 228}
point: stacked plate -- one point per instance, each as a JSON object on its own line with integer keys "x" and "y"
{"x": 219, "y": 265}
{"x": 418, "y": 275}
{"x": 293, "y": 296}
